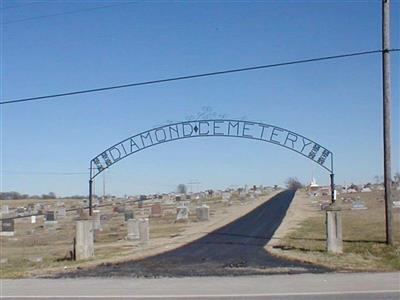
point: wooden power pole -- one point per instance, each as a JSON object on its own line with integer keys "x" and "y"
{"x": 387, "y": 119}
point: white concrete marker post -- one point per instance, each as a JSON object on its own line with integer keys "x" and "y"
{"x": 84, "y": 239}
{"x": 334, "y": 240}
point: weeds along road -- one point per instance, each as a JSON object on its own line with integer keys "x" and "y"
{"x": 234, "y": 249}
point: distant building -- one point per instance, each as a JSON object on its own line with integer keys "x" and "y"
{"x": 313, "y": 187}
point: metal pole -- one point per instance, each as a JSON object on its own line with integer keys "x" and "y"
{"x": 90, "y": 196}
{"x": 104, "y": 185}
{"x": 90, "y": 189}
{"x": 333, "y": 196}
{"x": 387, "y": 119}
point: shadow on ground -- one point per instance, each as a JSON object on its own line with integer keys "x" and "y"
{"x": 234, "y": 249}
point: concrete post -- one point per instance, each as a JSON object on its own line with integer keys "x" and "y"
{"x": 334, "y": 240}
{"x": 144, "y": 230}
{"x": 84, "y": 239}
{"x": 133, "y": 229}
{"x": 96, "y": 220}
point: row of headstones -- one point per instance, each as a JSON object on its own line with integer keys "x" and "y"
{"x": 138, "y": 229}
{"x": 7, "y": 225}
{"x": 38, "y": 208}
{"x": 202, "y": 213}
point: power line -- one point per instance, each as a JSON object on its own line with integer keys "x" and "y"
{"x": 195, "y": 76}
{"x": 64, "y": 13}
{"x": 42, "y": 173}
{"x": 21, "y": 5}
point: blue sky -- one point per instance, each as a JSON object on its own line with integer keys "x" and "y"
{"x": 337, "y": 103}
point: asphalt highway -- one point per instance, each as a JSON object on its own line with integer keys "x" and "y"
{"x": 326, "y": 286}
{"x": 235, "y": 249}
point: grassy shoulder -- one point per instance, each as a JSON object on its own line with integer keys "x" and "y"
{"x": 364, "y": 247}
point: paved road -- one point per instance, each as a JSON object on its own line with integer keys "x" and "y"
{"x": 235, "y": 249}
{"x": 326, "y": 286}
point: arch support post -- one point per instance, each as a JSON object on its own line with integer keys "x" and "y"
{"x": 90, "y": 196}
{"x": 333, "y": 223}
{"x": 333, "y": 191}
{"x": 334, "y": 239}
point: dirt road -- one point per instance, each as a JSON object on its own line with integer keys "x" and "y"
{"x": 234, "y": 249}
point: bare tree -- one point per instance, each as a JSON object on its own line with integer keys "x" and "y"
{"x": 292, "y": 183}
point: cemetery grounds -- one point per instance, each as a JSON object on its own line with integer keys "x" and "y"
{"x": 41, "y": 249}
{"x": 301, "y": 235}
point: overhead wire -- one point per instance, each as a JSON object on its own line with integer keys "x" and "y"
{"x": 64, "y": 13}
{"x": 200, "y": 75}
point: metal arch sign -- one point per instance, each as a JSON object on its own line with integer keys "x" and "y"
{"x": 208, "y": 128}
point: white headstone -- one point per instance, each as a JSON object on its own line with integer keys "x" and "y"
{"x": 62, "y": 212}
{"x": 203, "y": 213}
{"x": 183, "y": 213}
{"x": 96, "y": 220}
{"x": 4, "y": 209}
{"x": 144, "y": 230}
{"x": 358, "y": 204}
{"x": 226, "y": 196}
{"x": 396, "y": 204}
{"x": 33, "y": 219}
{"x": 133, "y": 229}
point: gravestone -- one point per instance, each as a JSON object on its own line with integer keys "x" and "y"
{"x": 396, "y": 204}
{"x": 325, "y": 205}
{"x": 3, "y": 260}
{"x": 105, "y": 218}
{"x": 185, "y": 204}
{"x": 128, "y": 215}
{"x": 5, "y": 209}
{"x": 133, "y": 229}
{"x": 35, "y": 259}
{"x": 38, "y": 208}
{"x": 141, "y": 199}
{"x": 120, "y": 209}
{"x": 183, "y": 214}
{"x": 96, "y": 220}
{"x": 242, "y": 196}
{"x": 156, "y": 210}
{"x": 226, "y": 196}
{"x": 62, "y": 212}
{"x": 82, "y": 215}
{"x": 50, "y": 217}
{"x": 31, "y": 208}
{"x": 33, "y": 219}
{"x": 7, "y": 227}
{"x": 203, "y": 213}
{"x": 144, "y": 230}
{"x": 358, "y": 204}
{"x": 96, "y": 202}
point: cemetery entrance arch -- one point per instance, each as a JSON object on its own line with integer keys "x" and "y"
{"x": 217, "y": 128}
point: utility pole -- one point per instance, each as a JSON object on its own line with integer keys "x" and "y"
{"x": 387, "y": 119}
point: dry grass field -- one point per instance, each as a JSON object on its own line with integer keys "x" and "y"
{"x": 51, "y": 243}
{"x": 303, "y": 237}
